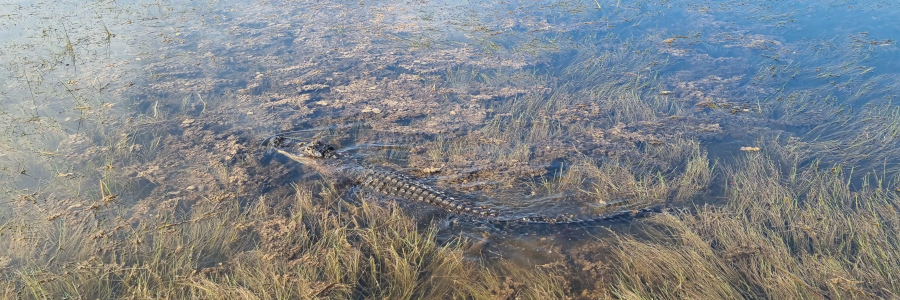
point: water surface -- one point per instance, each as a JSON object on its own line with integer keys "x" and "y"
{"x": 114, "y": 114}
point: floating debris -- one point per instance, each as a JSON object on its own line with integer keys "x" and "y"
{"x": 372, "y": 110}
{"x": 431, "y": 170}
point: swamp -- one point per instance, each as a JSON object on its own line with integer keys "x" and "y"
{"x": 574, "y": 149}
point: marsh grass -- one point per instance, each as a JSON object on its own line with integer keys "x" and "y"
{"x": 649, "y": 185}
{"x": 813, "y": 215}
{"x": 868, "y": 139}
{"x": 563, "y": 112}
{"x": 777, "y": 236}
{"x": 686, "y": 175}
{"x": 322, "y": 246}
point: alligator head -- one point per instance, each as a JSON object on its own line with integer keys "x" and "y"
{"x": 307, "y": 153}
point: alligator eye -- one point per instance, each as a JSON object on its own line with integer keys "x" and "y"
{"x": 277, "y": 142}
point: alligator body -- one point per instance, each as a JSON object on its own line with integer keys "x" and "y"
{"x": 329, "y": 162}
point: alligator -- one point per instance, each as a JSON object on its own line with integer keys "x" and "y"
{"x": 329, "y": 163}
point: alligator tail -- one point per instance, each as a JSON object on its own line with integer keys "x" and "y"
{"x": 619, "y": 216}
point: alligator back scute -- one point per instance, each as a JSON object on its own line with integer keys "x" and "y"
{"x": 394, "y": 184}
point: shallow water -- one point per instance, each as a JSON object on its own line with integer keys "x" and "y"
{"x": 550, "y": 108}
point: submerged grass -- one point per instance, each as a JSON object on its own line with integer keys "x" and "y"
{"x": 322, "y": 247}
{"x": 777, "y": 236}
{"x": 809, "y": 217}
{"x": 867, "y": 139}
{"x": 611, "y": 179}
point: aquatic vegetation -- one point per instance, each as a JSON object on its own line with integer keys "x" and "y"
{"x": 130, "y": 164}
{"x": 776, "y": 236}
{"x": 222, "y": 250}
